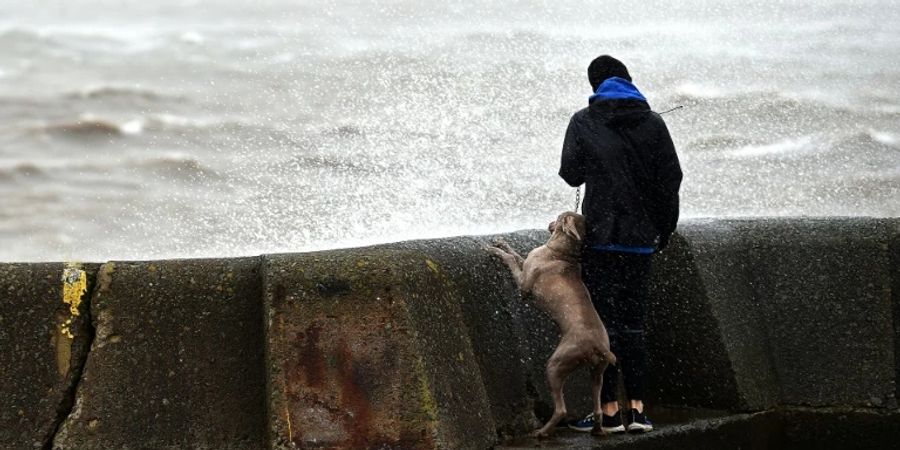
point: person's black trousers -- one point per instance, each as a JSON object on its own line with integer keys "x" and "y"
{"x": 619, "y": 283}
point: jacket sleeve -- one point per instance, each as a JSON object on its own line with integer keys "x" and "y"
{"x": 668, "y": 178}
{"x": 571, "y": 167}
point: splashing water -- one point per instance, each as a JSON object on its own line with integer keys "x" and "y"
{"x": 172, "y": 129}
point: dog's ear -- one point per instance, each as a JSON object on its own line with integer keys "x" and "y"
{"x": 570, "y": 228}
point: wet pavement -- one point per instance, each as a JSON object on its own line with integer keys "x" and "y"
{"x": 666, "y": 422}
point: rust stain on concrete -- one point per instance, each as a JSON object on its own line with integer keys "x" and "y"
{"x": 353, "y": 397}
{"x": 311, "y": 362}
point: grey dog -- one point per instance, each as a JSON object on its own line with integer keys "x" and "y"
{"x": 552, "y": 273}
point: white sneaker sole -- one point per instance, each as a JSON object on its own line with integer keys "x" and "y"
{"x": 639, "y": 428}
{"x": 611, "y": 430}
{"x": 582, "y": 429}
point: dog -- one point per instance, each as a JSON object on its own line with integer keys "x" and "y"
{"x": 552, "y": 275}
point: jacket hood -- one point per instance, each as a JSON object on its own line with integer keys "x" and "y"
{"x": 619, "y": 103}
{"x": 615, "y": 88}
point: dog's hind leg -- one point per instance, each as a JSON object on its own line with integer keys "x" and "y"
{"x": 560, "y": 365}
{"x": 596, "y": 386}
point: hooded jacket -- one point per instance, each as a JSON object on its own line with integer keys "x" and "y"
{"x": 622, "y": 152}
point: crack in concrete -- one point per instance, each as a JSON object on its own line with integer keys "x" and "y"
{"x": 64, "y": 409}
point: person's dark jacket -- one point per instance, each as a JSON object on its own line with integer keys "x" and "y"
{"x": 622, "y": 152}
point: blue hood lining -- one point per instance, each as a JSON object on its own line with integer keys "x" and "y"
{"x": 615, "y": 88}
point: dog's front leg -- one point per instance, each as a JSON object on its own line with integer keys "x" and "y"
{"x": 500, "y": 242}
{"x": 511, "y": 262}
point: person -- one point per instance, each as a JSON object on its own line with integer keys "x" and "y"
{"x": 622, "y": 152}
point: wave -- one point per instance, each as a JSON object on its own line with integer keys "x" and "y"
{"x": 870, "y": 150}
{"x": 864, "y": 150}
{"x": 691, "y": 90}
{"x": 341, "y": 164}
{"x": 179, "y": 165}
{"x": 174, "y": 164}
{"x": 22, "y": 169}
{"x": 85, "y": 127}
{"x": 19, "y": 36}
{"x": 772, "y": 103}
{"x": 884, "y": 138}
{"x": 785, "y": 147}
{"x": 89, "y": 126}
{"x": 717, "y": 142}
{"x": 104, "y": 92}
{"x": 115, "y": 39}
{"x": 344, "y": 131}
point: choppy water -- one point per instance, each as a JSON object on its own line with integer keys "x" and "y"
{"x": 134, "y": 130}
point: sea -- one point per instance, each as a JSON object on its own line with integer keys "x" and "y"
{"x": 136, "y": 130}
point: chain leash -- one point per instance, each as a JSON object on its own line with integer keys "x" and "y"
{"x": 577, "y": 198}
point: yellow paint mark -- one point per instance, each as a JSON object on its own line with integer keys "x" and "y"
{"x": 287, "y": 415}
{"x": 74, "y": 285}
{"x": 433, "y": 266}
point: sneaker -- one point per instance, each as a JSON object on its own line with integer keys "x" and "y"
{"x": 585, "y": 425}
{"x": 638, "y": 422}
{"x": 612, "y": 424}
{"x": 609, "y": 424}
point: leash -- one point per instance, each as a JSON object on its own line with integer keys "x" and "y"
{"x": 577, "y": 198}
{"x": 673, "y": 109}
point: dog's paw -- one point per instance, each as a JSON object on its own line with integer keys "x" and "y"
{"x": 541, "y": 433}
{"x": 499, "y": 242}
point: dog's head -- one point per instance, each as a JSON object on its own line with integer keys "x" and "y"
{"x": 571, "y": 224}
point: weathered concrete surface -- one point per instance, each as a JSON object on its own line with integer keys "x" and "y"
{"x": 177, "y": 361}
{"x": 688, "y": 361}
{"x": 824, "y": 293}
{"x": 427, "y": 344}
{"x": 894, "y": 249}
{"x": 750, "y": 314}
{"x": 40, "y": 353}
{"x": 510, "y": 338}
{"x": 367, "y": 350}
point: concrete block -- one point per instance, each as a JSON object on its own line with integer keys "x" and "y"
{"x": 44, "y": 338}
{"x": 768, "y": 312}
{"x": 720, "y": 251}
{"x": 177, "y": 361}
{"x": 823, "y": 288}
{"x": 366, "y": 349}
{"x": 510, "y": 338}
{"x": 894, "y": 250}
{"x": 688, "y": 359}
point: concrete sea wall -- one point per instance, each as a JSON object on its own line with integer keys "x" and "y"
{"x": 426, "y": 344}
